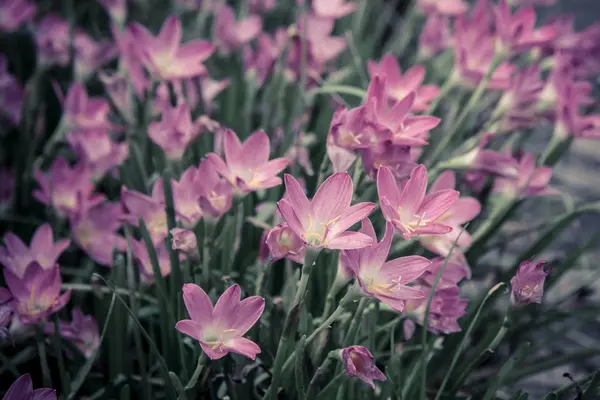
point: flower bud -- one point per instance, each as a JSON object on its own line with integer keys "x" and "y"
{"x": 358, "y": 362}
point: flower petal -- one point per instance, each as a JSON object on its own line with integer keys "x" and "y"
{"x": 249, "y": 311}
{"x": 407, "y": 268}
{"x": 414, "y": 190}
{"x": 190, "y": 328}
{"x": 351, "y": 216}
{"x": 294, "y": 195}
{"x": 349, "y": 241}
{"x": 255, "y": 150}
{"x": 231, "y": 147}
{"x": 227, "y": 306}
{"x": 197, "y": 303}
{"x": 332, "y": 198}
{"x": 436, "y": 204}
{"x": 243, "y": 346}
{"x": 388, "y": 187}
{"x": 290, "y": 216}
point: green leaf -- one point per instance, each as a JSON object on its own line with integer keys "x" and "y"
{"x": 509, "y": 366}
{"x": 593, "y": 388}
{"x": 299, "y": 368}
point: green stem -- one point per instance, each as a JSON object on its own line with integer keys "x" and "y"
{"x": 64, "y": 374}
{"x": 311, "y": 392}
{"x": 41, "y": 346}
{"x": 350, "y": 337}
{"x": 556, "y": 148}
{"x": 199, "y": 367}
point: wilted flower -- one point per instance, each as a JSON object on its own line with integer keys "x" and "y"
{"x": 16, "y": 256}
{"x": 140, "y": 253}
{"x": 174, "y": 132}
{"x": 398, "y": 86}
{"x": 358, "y": 362}
{"x": 220, "y": 330}
{"x": 82, "y": 331}
{"x": 324, "y": 220}
{"x": 455, "y": 271}
{"x": 411, "y": 211}
{"x": 66, "y": 188}
{"x": 22, "y": 389}
{"x": 284, "y": 243}
{"x": 14, "y": 13}
{"x": 94, "y": 231}
{"x": 183, "y": 240}
{"x": 333, "y": 8}
{"x": 11, "y": 94}
{"x": 385, "y": 281}
{"x": 247, "y": 166}
{"x": 37, "y": 293}
{"x": 149, "y": 208}
{"x": 528, "y": 284}
{"x": 528, "y": 181}
{"x": 165, "y": 56}
{"x": 341, "y": 158}
{"x": 230, "y": 35}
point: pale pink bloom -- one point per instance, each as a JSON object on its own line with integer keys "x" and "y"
{"x": 22, "y": 389}
{"x": 151, "y": 209}
{"x": 385, "y": 281}
{"x": 209, "y": 90}
{"x": 14, "y": 13}
{"x": 519, "y": 104}
{"x": 259, "y": 62}
{"x": 117, "y": 88}
{"x": 528, "y": 284}
{"x": 16, "y": 256}
{"x": 444, "y": 7}
{"x": 435, "y": 36}
{"x": 284, "y": 243}
{"x": 529, "y": 180}
{"x": 341, "y": 158}
{"x": 216, "y": 194}
{"x": 247, "y": 166}
{"x": 398, "y": 86}
{"x": 95, "y": 231}
{"x": 174, "y": 132}
{"x": 183, "y": 240}
{"x": 11, "y": 94}
{"x": 140, "y": 253}
{"x": 116, "y": 9}
{"x": 333, "y": 8}
{"x": 220, "y": 330}
{"x": 358, "y": 362}
{"x": 97, "y": 150}
{"x": 299, "y": 153}
{"x": 398, "y": 158}
{"x": 395, "y": 120}
{"x": 411, "y": 211}
{"x": 324, "y": 220}
{"x": 36, "y": 293}
{"x": 90, "y": 54}
{"x": 462, "y": 211}
{"x": 261, "y": 6}
{"x": 455, "y": 271}
{"x": 65, "y": 188}
{"x": 164, "y": 55}
{"x": 230, "y": 34}
{"x": 83, "y": 112}
{"x": 82, "y": 331}
{"x": 132, "y": 59}
{"x": 186, "y": 195}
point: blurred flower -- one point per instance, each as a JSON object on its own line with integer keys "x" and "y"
{"x": 230, "y": 35}
{"x": 140, "y": 253}
{"x": 97, "y": 150}
{"x": 132, "y": 59}
{"x": 116, "y": 9}
{"x": 11, "y": 94}
{"x": 528, "y": 284}
{"x": 445, "y": 7}
{"x": 36, "y": 293}
{"x": 22, "y": 389}
{"x": 358, "y": 362}
{"x": 82, "y": 331}
{"x": 333, "y": 8}
{"x": 529, "y": 180}
{"x": 518, "y": 106}
{"x": 261, "y": 6}
{"x": 340, "y": 158}
{"x": 186, "y": 195}
{"x": 247, "y": 166}
{"x": 117, "y": 88}
{"x": 385, "y": 281}
{"x": 94, "y": 231}
{"x": 324, "y": 220}
{"x": 165, "y": 56}
{"x": 220, "y": 330}
{"x": 16, "y": 256}
{"x": 90, "y": 55}
{"x": 200, "y": 91}
{"x": 83, "y": 112}
{"x": 460, "y": 212}
{"x": 455, "y": 271}
{"x": 446, "y": 308}
{"x": 7, "y": 308}
{"x": 66, "y": 188}
{"x": 151, "y": 209}
{"x": 397, "y": 86}
{"x": 258, "y": 62}
{"x": 14, "y": 13}
{"x": 398, "y": 158}
{"x": 435, "y": 36}
{"x": 284, "y": 243}
{"x": 411, "y": 211}
{"x": 299, "y": 153}
{"x": 184, "y": 240}
{"x": 216, "y": 194}
{"x": 174, "y": 132}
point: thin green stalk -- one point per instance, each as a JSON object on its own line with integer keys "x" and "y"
{"x": 352, "y": 332}
{"x": 64, "y": 374}
{"x": 328, "y": 390}
{"x": 199, "y": 367}
{"x": 509, "y": 366}
{"x": 338, "y": 89}
{"x": 299, "y": 367}
{"x": 557, "y": 147}
{"x": 41, "y": 346}
{"x": 319, "y": 375}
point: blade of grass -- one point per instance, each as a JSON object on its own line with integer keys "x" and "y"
{"x": 505, "y": 370}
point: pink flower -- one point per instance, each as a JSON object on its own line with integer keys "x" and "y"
{"x": 528, "y": 284}
{"x": 411, "y": 211}
{"x": 11, "y": 94}
{"x": 132, "y": 57}
{"x": 165, "y": 56}
{"x": 519, "y": 103}
{"x": 398, "y": 158}
{"x": 528, "y": 181}
{"x": 435, "y": 36}
{"x": 209, "y": 90}
{"x": 16, "y": 256}
{"x": 385, "y": 281}
{"x": 140, "y": 253}
{"x": 358, "y": 362}
{"x": 37, "y": 293}
{"x": 83, "y": 112}
{"x": 14, "y": 13}
{"x": 175, "y": 131}
{"x": 397, "y": 86}
{"x": 341, "y": 158}
{"x": 247, "y": 165}
{"x": 216, "y": 194}
{"x": 91, "y": 55}
{"x": 333, "y": 8}
{"x": 95, "y": 232}
{"x": 284, "y": 243}
{"x": 22, "y": 389}
{"x": 261, "y": 6}
{"x": 149, "y": 208}
{"x": 82, "y": 331}
{"x": 116, "y": 87}
{"x": 66, "y": 188}
{"x": 220, "y": 330}
{"x": 230, "y": 35}
{"x": 259, "y": 61}
{"x": 186, "y": 195}
{"x": 321, "y": 47}
{"x": 324, "y": 220}
{"x": 455, "y": 271}
{"x": 298, "y": 152}
{"x": 460, "y": 212}
{"x": 445, "y": 7}
{"x": 97, "y": 150}
{"x": 446, "y": 308}
{"x": 183, "y": 240}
